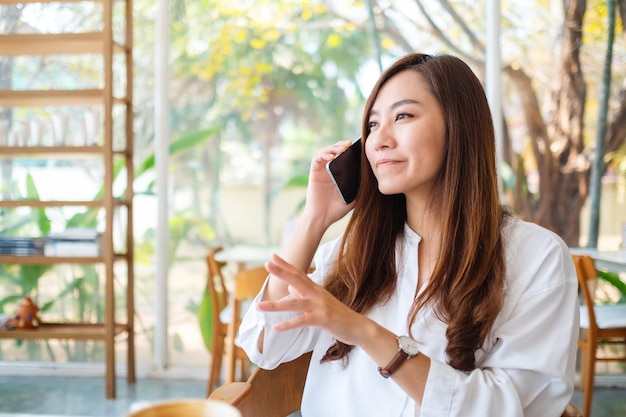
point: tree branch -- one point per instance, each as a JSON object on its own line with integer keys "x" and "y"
{"x": 459, "y": 21}
{"x": 444, "y": 38}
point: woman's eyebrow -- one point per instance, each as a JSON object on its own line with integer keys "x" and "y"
{"x": 397, "y": 104}
{"x": 405, "y": 101}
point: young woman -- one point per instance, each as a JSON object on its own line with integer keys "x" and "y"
{"x": 435, "y": 301}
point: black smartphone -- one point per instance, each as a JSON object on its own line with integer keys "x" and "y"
{"x": 345, "y": 171}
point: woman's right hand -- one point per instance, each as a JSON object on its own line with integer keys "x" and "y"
{"x": 323, "y": 202}
{"x": 323, "y": 207}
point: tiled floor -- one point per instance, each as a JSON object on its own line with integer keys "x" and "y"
{"x": 30, "y": 396}
{"x": 84, "y": 396}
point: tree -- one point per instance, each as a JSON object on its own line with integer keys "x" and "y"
{"x": 258, "y": 67}
{"x": 554, "y": 129}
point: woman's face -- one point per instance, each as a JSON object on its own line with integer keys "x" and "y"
{"x": 406, "y": 144}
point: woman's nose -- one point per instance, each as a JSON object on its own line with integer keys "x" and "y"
{"x": 383, "y": 138}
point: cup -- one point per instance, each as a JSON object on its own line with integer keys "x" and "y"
{"x": 14, "y": 138}
{"x": 24, "y": 133}
{"x": 4, "y": 132}
{"x": 187, "y": 408}
{"x": 92, "y": 124}
{"x": 59, "y": 128}
{"x": 36, "y": 132}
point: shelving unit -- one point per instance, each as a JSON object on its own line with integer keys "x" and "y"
{"x": 101, "y": 43}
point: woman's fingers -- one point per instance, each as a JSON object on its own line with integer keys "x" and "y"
{"x": 332, "y": 151}
{"x": 297, "y": 280}
{"x": 317, "y": 307}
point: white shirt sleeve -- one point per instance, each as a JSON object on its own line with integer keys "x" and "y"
{"x": 283, "y": 346}
{"x": 278, "y": 347}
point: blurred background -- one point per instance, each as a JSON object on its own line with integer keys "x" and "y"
{"x": 254, "y": 89}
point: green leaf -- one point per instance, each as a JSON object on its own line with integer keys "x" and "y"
{"x": 30, "y": 275}
{"x": 46, "y": 306}
{"x": 614, "y": 279}
{"x": 181, "y": 144}
{"x": 205, "y": 319}
{"x": 11, "y": 299}
{"x": 43, "y": 221}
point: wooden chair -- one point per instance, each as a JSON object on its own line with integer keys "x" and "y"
{"x": 213, "y": 308}
{"x": 278, "y": 393}
{"x": 275, "y": 393}
{"x": 214, "y": 301}
{"x": 247, "y": 284}
{"x": 599, "y": 324}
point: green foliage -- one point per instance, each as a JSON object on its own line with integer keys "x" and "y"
{"x": 614, "y": 279}
{"x": 182, "y": 144}
{"x": 205, "y": 319}
{"x": 23, "y": 280}
{"x": 252, "y": 58}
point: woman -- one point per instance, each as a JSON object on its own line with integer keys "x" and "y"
{"x": 435, "y": 301}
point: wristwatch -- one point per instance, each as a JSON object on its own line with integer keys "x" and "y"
{"x": 407, "y": 348}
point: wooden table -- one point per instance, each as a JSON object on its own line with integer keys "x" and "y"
{"x": 246, "y": 256}
{"x": 614, "y": 261}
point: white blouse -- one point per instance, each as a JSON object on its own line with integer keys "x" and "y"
{"x": 526, "y": 366}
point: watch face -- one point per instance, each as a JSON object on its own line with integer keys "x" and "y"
{"x": 408, "y": 345}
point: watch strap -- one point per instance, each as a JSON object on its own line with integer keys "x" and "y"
{"x": 395, "y": 364}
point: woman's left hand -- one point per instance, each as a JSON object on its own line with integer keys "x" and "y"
{"x": 319, "y": 308}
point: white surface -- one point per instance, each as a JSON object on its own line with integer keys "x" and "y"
{"x": 614, "y": 261}
{"x": 245, "y": 254}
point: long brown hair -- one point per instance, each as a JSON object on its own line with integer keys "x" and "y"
{"x": 466, "y": 288}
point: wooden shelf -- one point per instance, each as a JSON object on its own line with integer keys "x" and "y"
{"x": 44, "y": 1}
{"x": 60, "y": 152}
{"x": 99, "y": 44}
{"x": 77, "y": 331}
{"x": 47, "y": 151}
{"x": 54, "y": 260}
{"x": 56, "y": 44}
{"x": 85, "y": 97}
{"x": 118, "y": 202}
{"x": 55, "y": 203}
{"x": 47, "y": 260}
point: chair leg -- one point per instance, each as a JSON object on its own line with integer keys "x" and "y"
{"x": 588, "y": 378}
{"x": 243, "y": 369}
{"x": 216, "y": 365}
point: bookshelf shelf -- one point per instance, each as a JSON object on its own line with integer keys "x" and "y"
{"x": 77, "y": 331}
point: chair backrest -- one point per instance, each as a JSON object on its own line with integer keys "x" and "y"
{"x": 247, "y": 285}
{"x": 587, "y": 279}
{"x": 215, "y": 279}
{"x": 214, "y": 299}
{"x": 275, "y": 393}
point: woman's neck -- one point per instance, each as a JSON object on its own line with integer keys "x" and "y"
{"x": 424, "y": 218}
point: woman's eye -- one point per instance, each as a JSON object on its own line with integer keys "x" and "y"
{"x": 371, "y": 124}
{"x": 400, "y": 116}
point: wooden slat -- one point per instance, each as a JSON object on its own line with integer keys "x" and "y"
{"x": 83, "y": 97}
{"x": 56, "y": 260}
{"x": 65, "y": 152}
{"x": 54, "y": 44}
{"x": 45, "y": 1}
{"x": 56, "y": 203}
{"x": 78, "y": 331}
{"x": 47, "y": 260}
